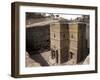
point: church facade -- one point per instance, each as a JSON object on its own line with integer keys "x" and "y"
{"x": 68, "y": 41}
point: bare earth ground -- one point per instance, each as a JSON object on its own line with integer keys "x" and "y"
{"x": 43, "y": 59}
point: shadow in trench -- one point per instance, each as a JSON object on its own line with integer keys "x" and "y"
{"x": 86, "y": 54}
{"x": 38, "y": 58}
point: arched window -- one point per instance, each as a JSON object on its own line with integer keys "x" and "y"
{"x": 63, "y": 35}
{"x": 71, "y": 55}
{"x": 54, "y": 35}
{"x": 72, "y": 36}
